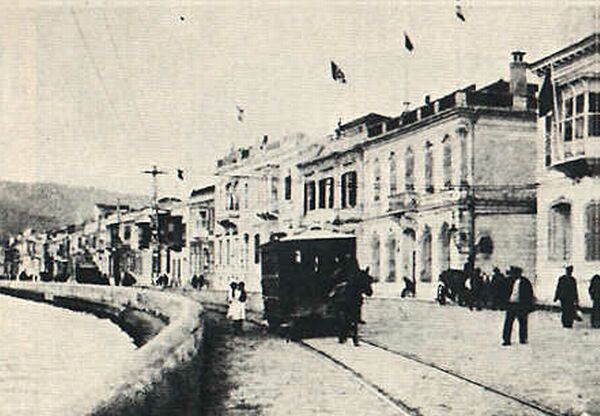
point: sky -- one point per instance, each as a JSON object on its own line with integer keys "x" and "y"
{"x": 93, "y": 92}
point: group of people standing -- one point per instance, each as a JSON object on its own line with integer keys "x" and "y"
{"x": 566, "y": 293}
{"x": 521, "y": 300}
{"x": 236, "y": 300}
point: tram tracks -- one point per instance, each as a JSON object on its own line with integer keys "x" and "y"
{"x": 543, "y": 409}
{"x": 400, "y": 406}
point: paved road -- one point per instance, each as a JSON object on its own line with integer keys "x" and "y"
{"x": 557, "y": 371}
{"x": 259, "y": 374}
{"x": 424, "y": 390}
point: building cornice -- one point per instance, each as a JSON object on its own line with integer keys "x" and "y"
{"x": 586, "y": 46}
{"x": 469, "y": 112}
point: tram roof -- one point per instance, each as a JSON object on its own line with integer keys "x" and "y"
{"x": 317, "y": 235}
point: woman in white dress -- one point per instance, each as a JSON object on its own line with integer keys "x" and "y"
{"x": 237, "y": 305}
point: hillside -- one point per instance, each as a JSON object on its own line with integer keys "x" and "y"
{"x": 43, "y": 206}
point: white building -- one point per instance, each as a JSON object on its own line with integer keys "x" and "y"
{"x": 568, "y": 168}
{"x": 256, "y": 195}
{"x": 424, "y": 191}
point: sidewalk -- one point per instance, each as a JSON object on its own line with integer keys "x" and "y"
{"x": 558, "y": 368}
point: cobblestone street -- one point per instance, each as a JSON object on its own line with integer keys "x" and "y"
{"x": 259, "y": 374}
{"x": 558, "y": 368}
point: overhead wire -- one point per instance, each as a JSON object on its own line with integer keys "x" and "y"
{"x": 97, "y": 70}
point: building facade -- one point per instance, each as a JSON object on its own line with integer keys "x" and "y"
{"x": 427, "y": 191}
{"x": 257, "y": 192}
{"x": 568, "y": 220}
{"x": 200, "y": 232}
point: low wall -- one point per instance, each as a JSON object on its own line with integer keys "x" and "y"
{"x": 175, "y": 346}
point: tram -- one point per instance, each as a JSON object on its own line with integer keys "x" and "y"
{"x": 298, "y": 275}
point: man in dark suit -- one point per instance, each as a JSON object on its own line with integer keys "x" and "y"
{"x": 520, "y": 304}
{"x": 594, "y": 291}
{"x": 566, "y": 293}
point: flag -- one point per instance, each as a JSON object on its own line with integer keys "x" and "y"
{"x": 546, "y": 97}
{"x": 337, "y": 74}
{"x": 240, "y": 113}
{"x": 459, "y": 13}
{"x": 180, "y": 174}
{"x": 408, "y": 43}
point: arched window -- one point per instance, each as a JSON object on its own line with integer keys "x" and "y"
{"x": 228, "y": 252}
{"x": 375, "y": 256}
{"x": 246, "y": 203}
{"x": 391, "y": 257}
{"x": 428, "y": 167}
{"x": 256, "y": 248}
{"x": 447, "y": 167}
{"x": 592, "y": 235}
{"x": 444, "y": 246}
{"x": 426, "y": 255}
{"x": 220, "y": 252}
{"x": 559, "y": 232}
{"x": 463, "y": 157}
{"x": 393, "y": 174}
{"x": 409, "y": 170}
{"x": 376, "y": 180}
{"x": 245, "y": 257}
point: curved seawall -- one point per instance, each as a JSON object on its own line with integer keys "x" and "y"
{"x": 167, "y": 327}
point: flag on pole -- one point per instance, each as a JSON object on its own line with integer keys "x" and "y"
{"x": 408, "y": 43}
{"x": 546, "y": 97}
{"x": 180, "y": 174}
{"x": 459, "y": 13}
{"x": 337, "y": 74}
{"x": 240, "y": 113}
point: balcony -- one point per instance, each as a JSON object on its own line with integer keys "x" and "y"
{"x": 407, "y": 201}
{"x": 577, "y": 159}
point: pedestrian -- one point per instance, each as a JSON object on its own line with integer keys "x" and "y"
{"x": 498, "y": 289}
{"x": 477, "y": 289}
{"x": 594, "y": 291}
{"x": 566, "y": 293}
{"x": 194, "y": 281}
{"x": 239, "y": 313}
{"x": 520, "y": 304}
{"x": 230, "y": 297}
{"x": 201, "y": 281}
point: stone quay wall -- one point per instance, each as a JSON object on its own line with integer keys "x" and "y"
{"x": 157, "y": 362}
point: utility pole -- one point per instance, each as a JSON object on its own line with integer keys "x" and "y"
{"x": 155, "y": 223}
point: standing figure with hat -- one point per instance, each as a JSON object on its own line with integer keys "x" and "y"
{"x": 594, "y": 291}
{"x": 566, "y": 293}
{"x": 520, "y": 304}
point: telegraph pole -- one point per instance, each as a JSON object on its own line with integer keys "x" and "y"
{"x": 155, "y": 223}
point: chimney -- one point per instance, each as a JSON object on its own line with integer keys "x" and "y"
{"x": 518, "y": 80}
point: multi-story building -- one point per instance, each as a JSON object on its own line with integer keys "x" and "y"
{"x": 441, "y": 184}
{"x": 568, "y": 215}
{"x": 254, "y": 199}
{"x": 30, "y": 255}
{"x": 200, "y": 228}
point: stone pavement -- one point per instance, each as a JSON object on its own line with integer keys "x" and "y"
{"x": 558, "y": 368}
{"x": 427, "y": 391}
{"x": 264, "y": 375}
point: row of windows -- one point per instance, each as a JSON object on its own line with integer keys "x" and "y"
{"x": 228, "y": 248}
{"x": 560, "y": 232}
{"x": 572, "y": 119}
{"x": 422, "y": 267}
{"x": 232, "y": 199}
{"x": 323, "y": 195}
{"x": 409, "y": 169}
